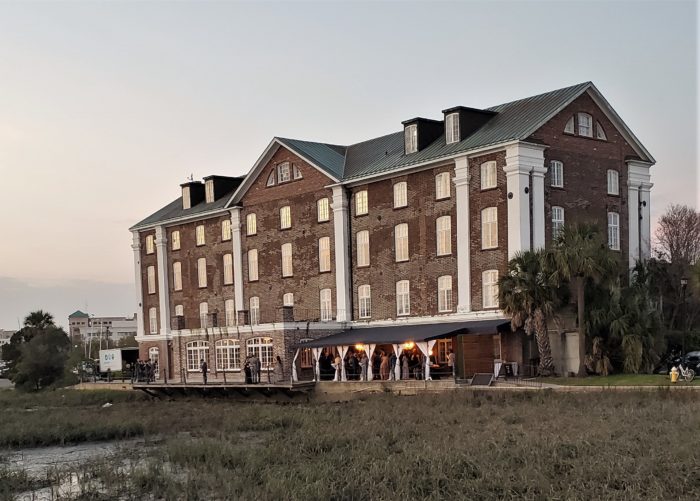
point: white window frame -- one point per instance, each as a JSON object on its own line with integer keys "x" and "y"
{"x": 296, "y": 172}
{"x": 226, "y": 230}
{"x": 443, "y": 235}
{"x": 324, "y": 254}
{"x": 585, "y": 125}
{"x": 251, "y": 224}
{"x": 200, "y": 235}
{"x": 196, "y": 352}
{"x": 557, "y": 173}
{"x": 403, "y": 298}
{"x": 569, "y": 127}
{"x": 489, "y": 228}
{"x": 489, "y": 289}
{"x": 613, "y": 182}
{"x": 442, "y": 186}
{"x": 288, "y": 299}
{"x": 209, "y": 191}
{"x": 326, "y": 302}
{"x": 362, "y": 243}
{"x": 271, "y": 179}
{"x": 228, "y": 269}
{"x": 600, "y": 132}
{"x": 614, "y": 231}
{"x": 263, "y": 348}
{"x": 444, "y": 293}
{"x": 151, "y": 279}
{"x": 401, "y": 242}
{"x": 361, "y": 203}
{"x": 203, "y": 315}
{"x": 323, "y": 210}
{"x": 400, "y": 195}
{"x": 254, "y": 310}
{"x": 558, "y": 220}
{"x": 284, "y": 172}
{"x": 230, "y": 312}
{"x": 153, "y": 320}
{"x": 285, "y": 217}
{"x": 150, "y": 244}
{"x": 186, "y": 198}
{"x": 177, "y": 276}
{"x": 410, "y": 138}
{"x": 287, "y": 265}
{"x": 489, "y": 175}
{"x": 175, "y": 240}
{"x": 179, "y": 310}
{"x": 202, "y": 272}
{"x": 364, "y": 304}
{"x": 154, "y": 356}
{"x": 228, "y": 355}
{"x": 253, "y": 265}
{"x": 452, "y": 128}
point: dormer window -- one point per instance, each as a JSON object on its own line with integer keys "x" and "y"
{"x": 186, "y": 200}
{"x": 209, "y": 191}
{"x": 284, "y": 173}
{"x": 600, "y": 132}
{"x": 452, "y": 128}
{"x": 271, "y": 179}
{"x": 585, "y": 125}
{"x": 410, "y": 139}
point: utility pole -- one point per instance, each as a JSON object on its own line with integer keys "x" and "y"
{"x": 684, "y": 286}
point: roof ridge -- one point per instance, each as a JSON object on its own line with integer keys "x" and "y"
{"x": 582, "y": 84}
{"x": 314, "y": 142}
{"x": 375, "y": 138}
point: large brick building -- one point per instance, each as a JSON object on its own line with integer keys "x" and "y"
{"x": 364, "y": 243}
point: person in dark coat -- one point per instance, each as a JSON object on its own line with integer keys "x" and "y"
{"x": 205, "y": 368}
{"x": 247, "y": 371}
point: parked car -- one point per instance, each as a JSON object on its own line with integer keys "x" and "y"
{"x": 692, "y": 360}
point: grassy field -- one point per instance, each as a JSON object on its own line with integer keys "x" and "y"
{"x": 619, "y": 380}
{"x": 535, "y": 445}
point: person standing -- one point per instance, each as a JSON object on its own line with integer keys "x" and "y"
{"x": 364, "y": 365}
{"x": 255, "y": 362}
{"x": 384, "y": 367}
{"x": 392, "y": 365}
{"x": 404, "y": 366}
{"x": 205, "y": 368}
{"x": 338, "y": 367}
{"x": 451, "y": 362}
{"x": 278, "y": 370}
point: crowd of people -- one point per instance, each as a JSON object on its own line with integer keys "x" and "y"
{"x": 252, "y": 368}
{"x": 144, "y": 371}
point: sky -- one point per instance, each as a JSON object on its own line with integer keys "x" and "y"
{"x": 106, "y": 107}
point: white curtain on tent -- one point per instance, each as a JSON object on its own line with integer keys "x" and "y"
{"x": 295, "y": 376}
{"x": 398, "y": 349}
{"x": 317, "y": 355}
{"x": 343, "y": 350}
{"x": 370, "y": 351}
{"x": 426, "y": 347}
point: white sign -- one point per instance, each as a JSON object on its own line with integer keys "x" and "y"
{"x": 110, "y": 360}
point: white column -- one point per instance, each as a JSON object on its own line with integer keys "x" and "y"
{"x": 538, "y": 219}
{"x": 639, "y": 202}
{"x": 633, "y": 221}
{"x": 461, "y": 181}
{"x": 163, "y": 291}
{"x": 141, "y": 318}
{"x": 237, "y": 260}
{"x": 645, "y": 221}
{"x": 341, "y": 236}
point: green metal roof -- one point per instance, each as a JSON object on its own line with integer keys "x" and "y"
{"x": 329, "y": 157}
{"x": 78, "y": 314}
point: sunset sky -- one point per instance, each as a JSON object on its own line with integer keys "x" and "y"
{"x": 105, "y": 108}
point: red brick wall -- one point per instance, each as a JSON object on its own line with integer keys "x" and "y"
{"x": 424, "y": 266}
{"x": 301, "y": 195}
{"x": 148, "y": 300}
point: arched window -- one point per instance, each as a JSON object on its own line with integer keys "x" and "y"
{"x": 488, "y": 175}
{"x": 271, "y": 179}
{"x": 445, "y": 293}
{"x": 600, "y": 132}
{"x": 443, "y": 229}
{"x": 401, "y": 242}
{"x": 283, "y": 172}
{"x": 364, "y": 294}
{"x": 557, "y": 220}
{"x": 400, "y": 194}
{"x": 287, "y": 270}
{"x": 153, "y": 356}
{"x": 324, "y": 254}
{"x": 288, "y": 299}
{"x": 585, "y": 125}
{"x": 363, "y": 248}
{"x": 442, "y": 186}
{"x": 251, "y": 224}
{"x": 323, "y": 212}
{"x": 196, "y": 352}
{"x": 570, "y": 126}
{"x": 489, "y": 228}
{"x": 153, "y": 320}
{"x": 261, "y": 347}
{"x": 228, "y": 355}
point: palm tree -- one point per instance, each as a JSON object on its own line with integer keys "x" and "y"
{"x": 39, "y": 319}
{"x": 527, "y": 294}
{"x": 580, "y": 254}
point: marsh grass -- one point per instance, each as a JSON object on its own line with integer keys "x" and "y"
{"x": 538, "y": 445}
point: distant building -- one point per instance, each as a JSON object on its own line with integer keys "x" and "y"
{"x": 5, "y": 336}
{"x": 82, "y": 326}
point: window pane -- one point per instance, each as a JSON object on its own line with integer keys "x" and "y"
{"x": 442, "y": 185}
{"x": 488, "y": 175}
{"x": 252, "y": 265}
{"x": 557, "y": 169}
{"x": 324, "y": 254}
{"x": 361, "y": 203}
{"x": 400, "y": 195}
{"x": 323, "y": 212}
{"x": 444, "y": 235}
{"x": 228, "y": 269}
{"x": 489, "y": 281}
{"x": 175, "y": 237}
{"x": 365, "y": 301}
{"x": 177, "y": 276}
{"x": 403, "y": 301}
{"x": 489, "y": 228}
{"x": 200, "y": 235}
{"x": 285, "y": 217}
{"x": 445, "y": 293}
{"x": 202, "y": 271}
{"x": 226, "y": 229}
{"x": 251, "y": 224}
{"x": 287, "y": 260}
{"x": 363, "y": 248}
{"x": 401, "y": 242}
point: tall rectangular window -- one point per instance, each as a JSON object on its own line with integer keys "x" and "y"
{"x": 614, "y": 230}
{"x": 364, "y": 296}
{"x": 488, "y": 175}
{"x": 361, "y": 203}
{"x": 452, "y": 128}
{"x": 557, "y": 220}
{"x": 228, "y": 355}
{"x": 175, "y": 240}
{"x": 489, "y": 228}
{"x": 153, "y": 320}
{"x": 254, "y": 313}
{"x": 199, "y": 231}
{"x": 150, "y": 247}
{"x": 252, "y": 265}
{"x": 285, "y": 217}
{"x": 326, "y": 305}
{"x": 251, "y": 224}
{"x": 226, "y": 230}
{"x": 403, "y": 298}
{"x": 186, "y": 199}
{"x": 585, "y": 125}
{"x": 151, "y": 276}
{"x": 179, "y": 310}
{"x": 410, "y": 138}
{"x": 400, "y": 195}
{"x": 204, "y": 315}
{"x": 324, "y": 254}
{"x": 283, "y": 172}
{"x": 442, "y": 186}
{"x": 202, "y": 272}
{"x": 443, "y": 230}
{"x": 209, "y": 191}
{"x": 287, "y": 270}
{"x": 445, "y": 294}
{"x": 557, "y": 169}
{"x": 228, "y": 269}
{"x": 363, "y": 248}
{"x": 489, "y": 288}
{"x": 401, "y": 242}
{"x": 323, "y": 212}
{"x": 288, "y": 299}
{"x": 177, "y": 276}
{"x": 230, "y": 312}
{"x": 613, "y": 182}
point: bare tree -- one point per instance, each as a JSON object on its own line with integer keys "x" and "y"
{"x": 678, "y": 235}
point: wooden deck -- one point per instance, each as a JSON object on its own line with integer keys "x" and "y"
{"x": 218, "y": 389}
